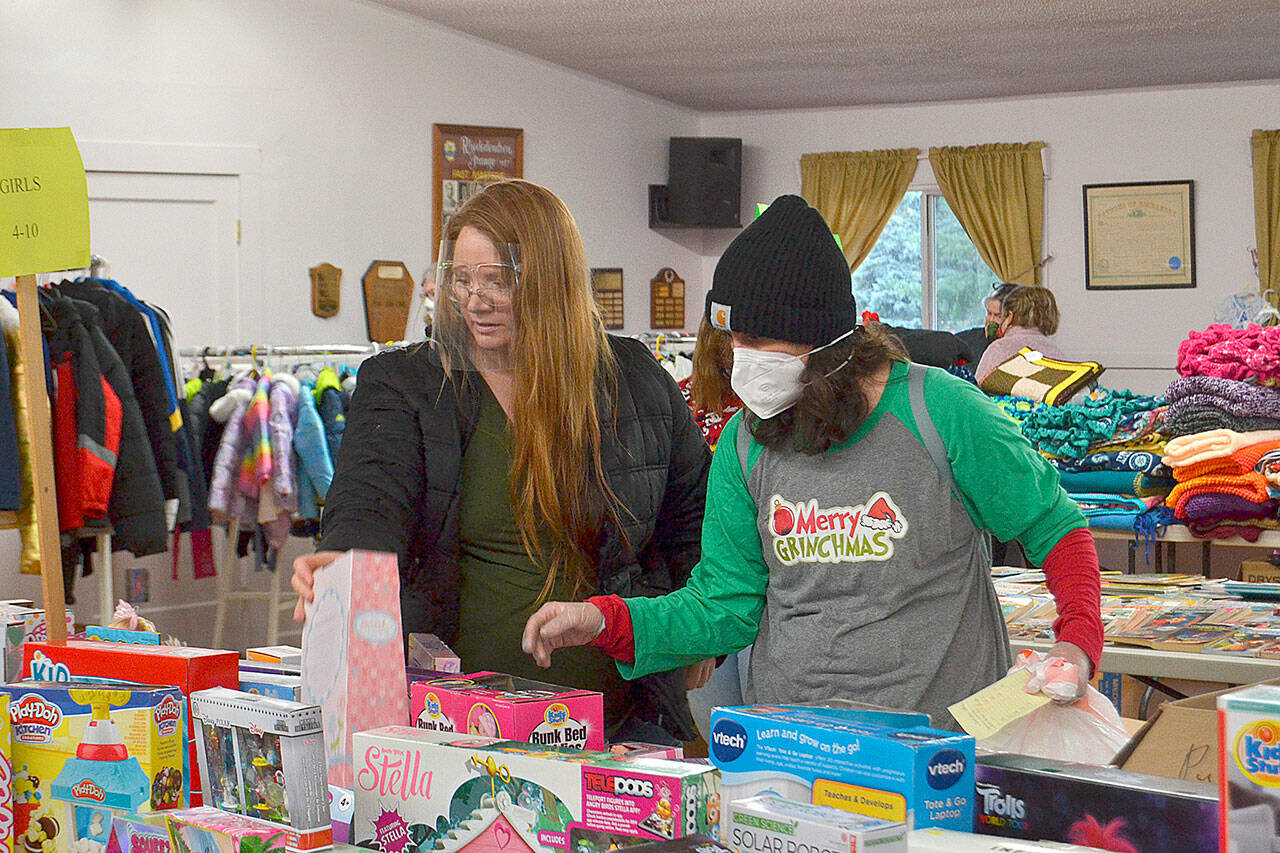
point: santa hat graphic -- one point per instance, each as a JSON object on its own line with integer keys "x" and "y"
{"x": 882, "y": 517}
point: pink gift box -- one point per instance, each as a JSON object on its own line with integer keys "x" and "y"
{"x": 492, "y": 704}
{"x": 353, "y": 653}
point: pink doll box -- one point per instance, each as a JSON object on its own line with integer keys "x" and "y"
{"x": 353, "y": 653}
{"x": 209, "y": 830}
{"x": 425, "y": 790}
{"x": 491, "y": 704}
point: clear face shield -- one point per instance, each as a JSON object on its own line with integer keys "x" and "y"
{"x": 472, "y": 314}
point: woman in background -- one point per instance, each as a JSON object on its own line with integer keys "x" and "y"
{"x": 1026, "y": 316}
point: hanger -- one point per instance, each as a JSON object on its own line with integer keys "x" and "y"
{"x": 1268, "y": 315}
{"x": 207, "y": 372}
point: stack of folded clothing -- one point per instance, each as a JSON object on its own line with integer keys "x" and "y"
{"x": 1200, "y": 403}
{"x": 1251, "y": 354}
{"x": 1228, "y": 482}
{"x": 1104, "y": 421}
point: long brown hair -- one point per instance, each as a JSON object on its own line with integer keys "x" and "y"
{"x": 833, "y": 403}
{"x": 565, "y": 370}
{"x": 709, "y": 384}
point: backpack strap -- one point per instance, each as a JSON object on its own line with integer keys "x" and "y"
{"x": 743, "y": 445}
{"x": 928, "y": 432}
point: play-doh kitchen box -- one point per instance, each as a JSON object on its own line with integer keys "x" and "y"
{"x": 422, "y": 789}
{"x": 492, "y": 704}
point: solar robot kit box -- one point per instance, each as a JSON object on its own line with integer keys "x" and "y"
{"x": 419, "y": 790}
{"x": 877, "y": 763}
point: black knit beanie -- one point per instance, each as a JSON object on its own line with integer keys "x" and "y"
{"x": 784, "y": 277}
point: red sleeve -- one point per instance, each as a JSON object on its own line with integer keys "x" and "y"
{"x": 618, "y": 638}
{"x": 1071, "y": 571}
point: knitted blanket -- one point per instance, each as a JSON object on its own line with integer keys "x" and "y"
{"x": 1250, "y": 486}
{"x": 1249, "y": 530}
{"x": 1214, "y": 444}
{"x": 1123, "y": 460}
{"x": 1202, "y": 418}
{"x": 1238, "y": 398}
{"x": 1069, "y": 430}
{"x": 1263, "y": 457}
{"x": 1220, "y": 350}
{"x": 1216, "y": 506}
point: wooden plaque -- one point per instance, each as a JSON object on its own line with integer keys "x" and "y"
{"x": 666, "y": 300}
{"x": 606, "y": 284}
{"x": 463, "y": 159}
{"x": 388, "y": 290}
{"x": 326, "y": 293}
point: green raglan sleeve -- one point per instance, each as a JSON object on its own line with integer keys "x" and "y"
{"x": 718, "y": 611}
{"x": 1009, "y": 488}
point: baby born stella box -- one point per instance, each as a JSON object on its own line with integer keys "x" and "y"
{"x": 491, "y": 704}
{"x": 419, "y": 791}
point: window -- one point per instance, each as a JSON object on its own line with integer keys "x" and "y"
{"x": 924, "y": 272}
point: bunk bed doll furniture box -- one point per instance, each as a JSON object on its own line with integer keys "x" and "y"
{"x": 427, "y": 790}
{"x": 492, "y": 704}
{"x": 264, "y": 758}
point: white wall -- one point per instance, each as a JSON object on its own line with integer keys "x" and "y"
{"x": 1200, "y": 134}
{"x": 339, "y": 96}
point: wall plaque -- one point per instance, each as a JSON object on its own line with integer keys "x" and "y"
{"x": 666, "y": 300}
{"x": 606, "y": 284}
{"x": 388, "y": 290}
{"x": 326, "y": 280}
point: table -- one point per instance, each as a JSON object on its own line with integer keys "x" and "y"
{"x": 1143, "y": 663}
{"x": 1175, "y": 534}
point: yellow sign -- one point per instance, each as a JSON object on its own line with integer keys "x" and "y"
{"x": 885, "y": 805}
{"x": 44, "y": 202}
{"x": 995, "y": 706}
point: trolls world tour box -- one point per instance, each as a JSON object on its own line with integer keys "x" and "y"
{"x": 1019, "y": 796}
{"x": 425, "y": 790}
{"x": 86, "y": 753}
{"x": 878, "y": 763}
{"x": 491, "y": 704}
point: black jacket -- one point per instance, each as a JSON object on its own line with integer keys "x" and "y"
{"x": 396, "y": 484}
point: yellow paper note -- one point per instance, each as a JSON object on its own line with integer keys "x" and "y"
{"x": 44, "y": 202}
{"x": 992, "y": 708}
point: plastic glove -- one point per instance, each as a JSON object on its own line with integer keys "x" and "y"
{"x": 1062, "y": 674}
{"x": 558, "y": 624}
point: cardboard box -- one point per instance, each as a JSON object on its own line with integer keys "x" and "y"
{"x": 1020, "y": 796}
{"x": 882, "y": 764}
{"x": 6, "y": 776}
{"x": 265, "y": 758}
{"x": 353, "y": 653}
{"x": 278, "y": 685}
{"x": 21, "y": 624}
{"x": 287, "y": 655}
{"x": 210, "y": 829}
{"x": 138, "y": 836}
{"x": 769, "y": 824}
{"x": 67, "y": 789}
{"x": 434, "y": 788}
{"x": 427, "y": 651}
{"x": 492, "y": 704}
{"x": 1180, "y": 741}
{"x": 692, "y": 844}
{"x": 1259, "y": 571}
{"x": 950, "y": 841}
{"x": 1249, "y": 784}
{"x": 187, "y": 668}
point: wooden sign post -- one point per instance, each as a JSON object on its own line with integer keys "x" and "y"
{"x": 44, "y": 226}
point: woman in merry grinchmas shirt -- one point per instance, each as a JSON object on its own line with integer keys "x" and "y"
{"x": 852, "y": 556}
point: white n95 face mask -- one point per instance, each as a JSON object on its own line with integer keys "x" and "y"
{"x": 768, "y": 383}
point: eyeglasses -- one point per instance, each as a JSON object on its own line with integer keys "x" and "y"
{"x": 493, "y": 283}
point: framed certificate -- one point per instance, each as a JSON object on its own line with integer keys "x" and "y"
{"x": 464, "y": 159}
{"x": 1139, "y": 236}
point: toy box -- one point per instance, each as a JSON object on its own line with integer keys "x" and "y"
{"x": 1249, "y": 774}
{"x": 878, "y": 763}
{"x": 770, "y": 824}
{"x": 353, "y": 652}
{"x": 603, "y": 843}
{"x": 1019, "y": 796}
{"x": 950, "y": 841}
{"x": 427, "y": 651}
{"x": 21, "y": 624}
{"x": 419, "y": 790}
{"x": 286, "y": 655}
{"x": 6, "y": 777}
{"x": 264, "y": 758}
{"x": 189, "y": 669}
{"x": 83, "y": 753}
{"x": 121, "y": 635}
{"x": 209, "y": 830}
{"x": 491, "y": 704}
{"x": 636, "y": 749}
{"x": 278, "y": 685}
{"x": 342, "y": 805}
{"x": 138, "y": 836}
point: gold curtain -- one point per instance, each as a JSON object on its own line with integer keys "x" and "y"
{"x": 1266, "y": 210}
{"x": 857, "y": 192}
{"x": 997, "y": 193}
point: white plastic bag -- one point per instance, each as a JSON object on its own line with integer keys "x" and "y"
{"x": 1088, "y": 730}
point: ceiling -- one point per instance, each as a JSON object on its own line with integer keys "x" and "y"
{"x": 714, "y": 55}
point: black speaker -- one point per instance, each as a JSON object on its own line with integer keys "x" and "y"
{"x": 704, "y": 183}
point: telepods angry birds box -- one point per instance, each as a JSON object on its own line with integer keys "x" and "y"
{"x": 492, "y": 704}
{"x": 84, "y": 753}
{"x": 420, "y": 791}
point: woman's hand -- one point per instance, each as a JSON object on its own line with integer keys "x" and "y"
{"x": 304, "y": 578}
{"x": 558, "y": 624}
{"x": 698, "y": 674}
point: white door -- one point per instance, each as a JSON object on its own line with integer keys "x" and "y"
{"x": 172, "y": 240}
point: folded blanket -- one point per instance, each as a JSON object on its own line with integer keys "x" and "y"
{"x": 1263, "y": 457}
{"x": 1248, "y": 530}
{"x": 1150, "y": 443}
{"x": 1070, "y": 429}
{"x": 1250, "y": 486}
{"x": 1201, "y": 418}
{"x": 1220, "y": 350}
{"x": 1123, "y": 460}
{"x": 1217, "y": 506}
{"x": 1128, "y": 483}
{"x": 1214, "y": 444}
{"x": 1238, "y": 398}
{"x": 1099, "y": 503}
